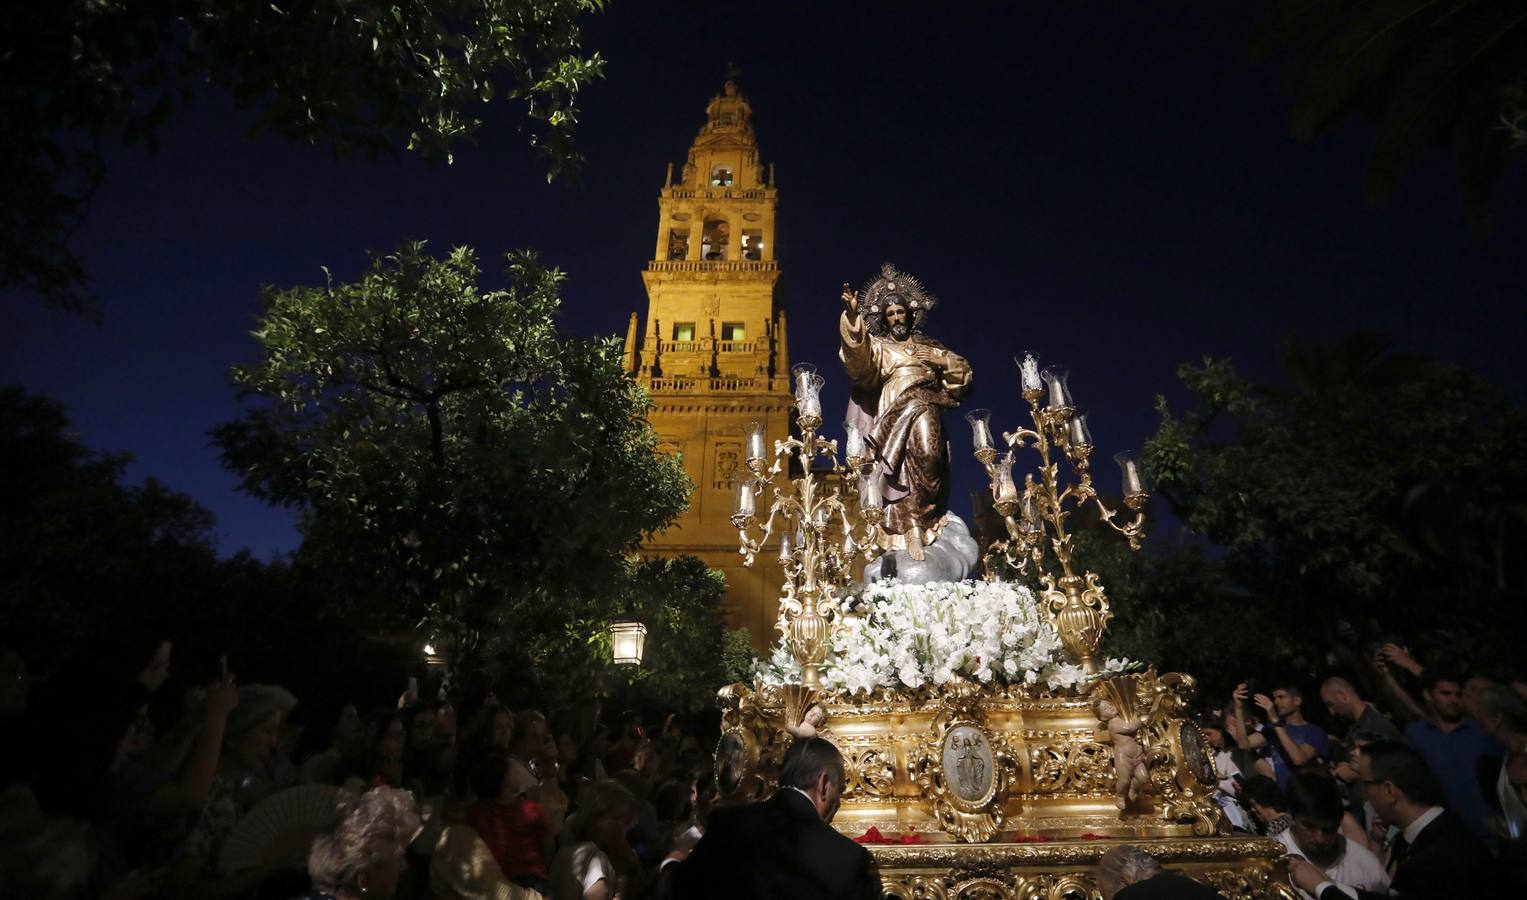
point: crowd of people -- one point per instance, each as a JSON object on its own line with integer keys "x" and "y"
{"x": 1421, "y": 794}
{"x": 452, "y": 796}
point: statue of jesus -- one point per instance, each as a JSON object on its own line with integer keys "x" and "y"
{"x": 902, "y": 381}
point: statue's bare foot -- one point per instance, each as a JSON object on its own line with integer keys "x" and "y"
{"x": 1121, "y": 803}
{"x": 915, "y": 543}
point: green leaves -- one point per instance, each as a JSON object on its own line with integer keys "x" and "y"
{"x": 688, "y": 652}
{"x": 1305, "y": 487}
{"x": 359, "y": 76}
{"x": 455, "y": 456}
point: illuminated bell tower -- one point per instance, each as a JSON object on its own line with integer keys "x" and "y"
{"x": 712, "y": 350}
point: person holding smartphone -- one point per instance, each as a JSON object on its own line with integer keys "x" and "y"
{"x": 1293, "y": 741}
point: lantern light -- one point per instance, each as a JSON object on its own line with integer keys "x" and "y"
{"x": 628, "y": 638}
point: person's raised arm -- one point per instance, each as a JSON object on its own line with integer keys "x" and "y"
{"x": 1297, "y": 753}
{"x": 1244, "y": 739}
{"x": 188, "y": 792}
{"x": 1405, "y": 706}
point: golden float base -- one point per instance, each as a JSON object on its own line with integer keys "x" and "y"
{"x": 1240, "y": 868}
{"x": 1010, "y": 792}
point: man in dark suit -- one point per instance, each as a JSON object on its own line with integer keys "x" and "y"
{"x": 1128, "y": 873}
{"x": 782, "y": 847}
{"x": 1435, "y": 858}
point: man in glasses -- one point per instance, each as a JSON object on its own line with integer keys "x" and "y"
{"x": 1434, "y": 858}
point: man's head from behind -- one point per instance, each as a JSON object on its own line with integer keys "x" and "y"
{"x": 1123, "y": 866}
{"x": 815, "y": 767}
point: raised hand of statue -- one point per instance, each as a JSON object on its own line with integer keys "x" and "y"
{"x": 850, "y": 300}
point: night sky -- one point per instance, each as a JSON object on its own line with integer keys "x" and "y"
{"x": 1110, "y": 185}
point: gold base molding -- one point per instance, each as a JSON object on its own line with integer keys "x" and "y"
{"x": 976, "y": 763}
{"x": 1240, "y": 868}
{"x": 1006, "y": 792}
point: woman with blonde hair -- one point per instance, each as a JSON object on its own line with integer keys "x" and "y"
{"x": 363, "y": 854}
{"x": 597, "y": 863}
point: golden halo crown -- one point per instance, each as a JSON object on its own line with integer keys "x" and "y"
{"x": 891, "y": 288}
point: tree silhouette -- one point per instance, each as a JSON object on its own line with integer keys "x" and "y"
{"x": 1450, "y": 73}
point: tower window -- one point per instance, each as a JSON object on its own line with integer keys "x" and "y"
{"x": 713, "y": 240}
{"x": 752, "y": 244}
{"x": 721, "y": 176}
{"x": 678, "y": 244}
{"x": 733, "y": 331}
{"x": 683, "y": 331}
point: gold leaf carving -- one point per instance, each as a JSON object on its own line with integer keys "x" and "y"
{"x": 1081, "y": 766}
{"x": 871, "y": 773}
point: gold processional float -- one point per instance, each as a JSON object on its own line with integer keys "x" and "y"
{"x": 980, "y": 789}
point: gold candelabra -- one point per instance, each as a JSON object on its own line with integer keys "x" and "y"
{"x": 819, "y": 538}
{"x": 1075, "y": 604}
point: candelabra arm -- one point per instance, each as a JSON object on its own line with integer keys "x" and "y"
{"x": 1017, "y": 439}
{"x": 1075, "y": 491}
{"x": 1133, "y": 530}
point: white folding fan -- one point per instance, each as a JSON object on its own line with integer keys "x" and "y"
{"x": 304, "y": 809}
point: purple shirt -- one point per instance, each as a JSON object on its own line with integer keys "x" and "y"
{"x": 1308, "y": 733}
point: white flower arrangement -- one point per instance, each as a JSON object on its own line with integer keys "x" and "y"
{"x": 916, "y": 635}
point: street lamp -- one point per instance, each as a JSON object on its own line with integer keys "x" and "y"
{"x": 628, "y": 638}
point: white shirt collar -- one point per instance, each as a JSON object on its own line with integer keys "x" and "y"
{"x": 1413, "y": 830}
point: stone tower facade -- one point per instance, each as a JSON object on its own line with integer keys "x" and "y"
{"x": 712, "y": 349}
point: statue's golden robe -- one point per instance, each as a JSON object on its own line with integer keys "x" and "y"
{"x": 900, "y": 389}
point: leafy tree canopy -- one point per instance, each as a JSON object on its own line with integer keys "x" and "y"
{"x": 685, "y": 660}
{"x": 1376, "y": 493}
{"x": 453, "y": 455}
{"x": 1429, "y": 73}
{"x": 355, "y": 75}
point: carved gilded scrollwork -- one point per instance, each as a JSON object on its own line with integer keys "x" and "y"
{"x": 1081, "y": 766}
{"x": 752, "y": 749}
{"x": 1256, "y": 883}
{"x": 870, "y": 772}
{"x": 1235, "y": 884}
{"x": 1185, "y": 797}
{"x": 965, "y": 764}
